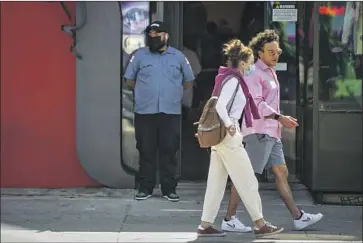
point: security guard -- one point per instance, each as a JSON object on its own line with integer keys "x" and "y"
{"x": 158, "y": 72}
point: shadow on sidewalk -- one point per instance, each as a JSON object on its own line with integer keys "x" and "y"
{"x": 109, "y": 219}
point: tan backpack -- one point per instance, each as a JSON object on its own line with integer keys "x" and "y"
{"x": 211, "y": 130}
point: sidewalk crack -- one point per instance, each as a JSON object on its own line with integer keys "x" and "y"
{"x": 127, "y": 210}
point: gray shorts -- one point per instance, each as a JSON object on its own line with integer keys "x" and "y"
{"x": 264, "y": 151}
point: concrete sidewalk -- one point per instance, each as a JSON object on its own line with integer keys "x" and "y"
{"x": 106, "y": 215}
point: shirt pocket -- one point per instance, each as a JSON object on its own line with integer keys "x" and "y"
{"x": 145, "y": 70}
{"x": 174, "y": 70}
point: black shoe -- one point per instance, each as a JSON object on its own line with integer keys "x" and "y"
{"x": 172, "y": 197}
{"x": 142, "y": 196}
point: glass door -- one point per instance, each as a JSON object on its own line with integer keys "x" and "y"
{"x": 206, "y": 26}
{"x": 305, "y": 49}
{"x": 282, "y": 17}
{"x": 338, "y": 94}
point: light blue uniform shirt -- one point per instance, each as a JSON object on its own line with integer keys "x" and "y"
{"x": 159, "y": 80}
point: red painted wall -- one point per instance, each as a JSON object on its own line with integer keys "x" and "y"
{"x": 38, "y": 97}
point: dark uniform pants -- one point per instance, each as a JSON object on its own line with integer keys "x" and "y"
{"x": 157, "y": 133}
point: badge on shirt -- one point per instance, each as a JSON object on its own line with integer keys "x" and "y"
{"x": 273, "y": 84}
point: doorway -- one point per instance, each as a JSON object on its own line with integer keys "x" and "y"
{"x": 206, "y": 26}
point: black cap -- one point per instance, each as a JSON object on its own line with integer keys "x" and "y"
{"x": 157, "y": 26}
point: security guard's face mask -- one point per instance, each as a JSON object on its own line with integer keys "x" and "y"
{"x": 156, "y": 42}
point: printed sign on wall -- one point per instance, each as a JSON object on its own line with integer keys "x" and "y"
{"x": 284, "y": 13}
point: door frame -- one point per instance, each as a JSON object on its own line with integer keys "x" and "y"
{"x": 171, "y": 13}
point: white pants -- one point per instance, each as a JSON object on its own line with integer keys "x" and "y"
{"x": 230, "y": 158}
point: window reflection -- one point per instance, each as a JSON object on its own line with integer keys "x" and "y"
{"x": 286, "y": 71}
{"x": 341, "y": 54}
{"x": 306, "y": 37}
{"x": 287, "y": 76}
{"x": 134, "y": 20}
{"x": 305, "y": 30}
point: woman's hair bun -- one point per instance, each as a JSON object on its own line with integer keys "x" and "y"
{"x": 236, "y": 51}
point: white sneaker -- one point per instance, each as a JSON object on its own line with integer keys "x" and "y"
{"x": 234, "y": 225}
{"x": 307, "y": 220}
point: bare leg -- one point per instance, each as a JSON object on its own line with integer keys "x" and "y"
{"x": 233, "y": 203}
{"x": 282, "y": 185}
{"x": 259, "y": 223}
{"x": 205, "y": 224}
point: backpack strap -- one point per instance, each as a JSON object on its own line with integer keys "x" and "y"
{"x": 240, "y": 121}
{"x": 233, "y": 98}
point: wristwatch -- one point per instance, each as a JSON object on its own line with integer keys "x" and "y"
{"x": 277, "y": 116}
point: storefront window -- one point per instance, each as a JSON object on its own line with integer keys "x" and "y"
{"x": 135, "y": 18}
{"x": 306, "y": 40}
{"x": 340, "y": 53}
{"x": 305, "y": 45}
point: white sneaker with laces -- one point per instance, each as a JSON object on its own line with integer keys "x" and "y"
{"x": 306, "y": 220}
{"x": 234, "y": 225}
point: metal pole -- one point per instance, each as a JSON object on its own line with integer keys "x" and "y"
{"x": 159, "y": 17}
{"x": 316, "y": 102}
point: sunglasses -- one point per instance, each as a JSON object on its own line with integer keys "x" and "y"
{"x": 274, "y": 53}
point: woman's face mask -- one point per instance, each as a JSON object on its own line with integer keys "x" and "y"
{"x": 247, "y": 69}
{"x": 250, "y": 69}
